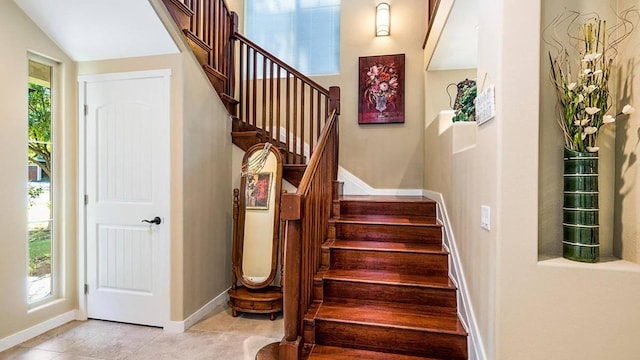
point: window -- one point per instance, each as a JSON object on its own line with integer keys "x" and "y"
{"x": 41, "y": 242}
{"x": 303, "y": 33}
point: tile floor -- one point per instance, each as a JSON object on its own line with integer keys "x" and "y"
{"x": 218, "y": 336}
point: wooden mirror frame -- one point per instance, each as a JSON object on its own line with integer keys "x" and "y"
{"x": 240, "y": 213}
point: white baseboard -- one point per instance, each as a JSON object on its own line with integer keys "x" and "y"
{"x": 467, "y": 316}
{"x": 38, "y": 329}
{"x": 181, "y": 326}
{"x": 354, "y": 186}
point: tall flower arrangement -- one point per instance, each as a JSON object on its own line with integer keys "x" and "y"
{"x": 382, "y": 81}
{"x": 580, "y": 73}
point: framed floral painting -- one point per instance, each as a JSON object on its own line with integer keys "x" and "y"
{"x": 381, "y": 89}
{"x": 257, "y": 191}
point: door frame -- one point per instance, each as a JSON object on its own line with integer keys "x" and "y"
{"x": 81, "y": 256}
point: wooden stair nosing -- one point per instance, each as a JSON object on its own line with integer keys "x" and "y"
{"x": 392, "y": 340}
{"x": 200, "y": 49}
{"x": 389, "y": 246}
{"x": 380, "y": 315}
{"x": 322, "y": 352}
{"x": 384, "y": 220}
{"x": 180, "y": 13}
{"x": 388, "y": 278}
{"x": 409, "y": 207}
{"x": 370, "y": 231}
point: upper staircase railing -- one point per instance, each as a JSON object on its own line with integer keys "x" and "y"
{"x": 286, "y": 107}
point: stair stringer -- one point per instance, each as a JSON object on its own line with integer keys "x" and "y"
{"x": 456, "y": 273}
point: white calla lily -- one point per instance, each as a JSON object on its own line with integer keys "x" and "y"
{"x": 628, "y": 109}
{"x": 592, "y": 57}
{"x": 592, "y": 148}
{"x": 590, "y": 130}
{"x": 591, "y": 110}
{"x": 571, "y": 86}
{"x": 607, "y": 119}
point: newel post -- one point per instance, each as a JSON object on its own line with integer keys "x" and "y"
{"x": 291, "y": 211}
{"x": 334, "y": 99}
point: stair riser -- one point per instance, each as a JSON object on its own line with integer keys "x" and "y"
{"x": 414, "y": 210}
{"x": 407, "y": 296}
{"x": 395, "y": 340}
{"x": 406, "y": 263}
{"x": 393, "y": 233}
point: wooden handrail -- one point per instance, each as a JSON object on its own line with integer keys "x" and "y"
{"x": 306, "y": 215}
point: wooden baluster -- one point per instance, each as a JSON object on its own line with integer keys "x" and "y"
{"x": 264, "y": 98}
{"x": 254, "y": 96}
{"x": 302, "y": 121}
{"x": 319, "y": 119}
{"x": 241, "y": 84}
{"x": 294, "y": 150}
{"x": 311, "y": 138}
{"x": 278, "y": 97}
{"x": 271, "y": 129}
{"x": 288, "y": 116}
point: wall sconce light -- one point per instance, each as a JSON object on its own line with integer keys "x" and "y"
{"x": 382, "y": 19}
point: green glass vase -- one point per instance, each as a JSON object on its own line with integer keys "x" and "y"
{"x": 580, "y": 223}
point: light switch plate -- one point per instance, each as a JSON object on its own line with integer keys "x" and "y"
{"x": 485, "y": 217}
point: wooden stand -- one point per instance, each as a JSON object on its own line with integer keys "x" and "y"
{"x": 260, "y": 301}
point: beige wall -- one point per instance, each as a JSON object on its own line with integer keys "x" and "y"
{"x": 396, "y": 148}
{"x": 18, "y": 36}
{"x": 207, "y": 192}
{"x": 468, "y": 179}
{"x": 627, "y": 169}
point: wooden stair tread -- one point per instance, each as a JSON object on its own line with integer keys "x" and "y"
{"x": 322, "y": 352}
{"x": 384, "y": 220}
{"x": 389, "y": 278}
{"x": 390, "y": 317}
{"x": 372, "y": 245}
{"x": 385, "y": 198}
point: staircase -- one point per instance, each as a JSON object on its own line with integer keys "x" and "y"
{"x": 364, "y": 277}
{"x": 383, "y": 291}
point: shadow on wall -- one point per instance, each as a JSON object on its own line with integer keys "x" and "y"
{"x": 627, "y": 140}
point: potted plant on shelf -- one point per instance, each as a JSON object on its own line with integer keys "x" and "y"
{"x": 582, "y": 63}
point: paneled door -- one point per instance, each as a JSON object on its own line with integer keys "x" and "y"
{"x": 126, "y": 168}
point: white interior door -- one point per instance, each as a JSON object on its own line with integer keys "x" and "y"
{"x": 126, "y": 166}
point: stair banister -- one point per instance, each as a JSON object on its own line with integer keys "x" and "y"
{"x": 306, "y": 214}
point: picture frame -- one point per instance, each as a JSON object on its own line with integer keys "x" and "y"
{"x": 257, "y": 189}
{"x": 381, "y": 89}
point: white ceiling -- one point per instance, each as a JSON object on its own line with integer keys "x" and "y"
{"x": 458, "y": 44}
{"x": 101, "y": 29}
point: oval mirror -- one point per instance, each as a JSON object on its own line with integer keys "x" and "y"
{"x": 258, "y": 225}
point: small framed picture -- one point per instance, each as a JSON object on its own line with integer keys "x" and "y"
{"x": 381, "y": 89}
{"x": 257, "y": 191}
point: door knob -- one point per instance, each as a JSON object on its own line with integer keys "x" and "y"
{"x": 156, "y": 220}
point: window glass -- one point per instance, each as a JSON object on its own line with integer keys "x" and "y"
{"x": 40, "y": 176}
{"x": 303, "y": 33}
